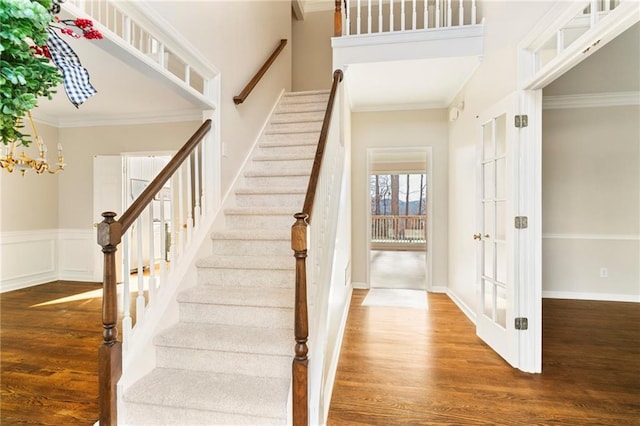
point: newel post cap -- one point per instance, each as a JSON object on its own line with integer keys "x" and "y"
{"x": 109, "y": 230}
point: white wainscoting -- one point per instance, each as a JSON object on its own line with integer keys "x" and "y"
{"x": 29, "y": 258}
{"x": 602, "y": 267}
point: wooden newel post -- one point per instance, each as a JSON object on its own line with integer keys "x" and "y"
{"x": 337, "y": 19}
{"x": 301, "y": 360}
{"x": 110, "y": 352}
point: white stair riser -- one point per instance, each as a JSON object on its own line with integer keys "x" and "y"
{"x": 146, "y": 414}
{"x": 247, "y": 277}
{"x": 273, "y": 247}
{"x": 250, "y": 316}
{"x": 307, "y": 150}
{"x": 305, "y": 127}
{"x": 279, "y": 181}
{"x": 278, "y": 165}
{"x": 296, "y": 116}
{"x": 318, "y": 107}
{"x": 258, "y": 221}
{"x": 248, "y": 364}
{"x": 290, "y": 139}
{"x": 270, "y": 200}
{"x": 306, "y": 99}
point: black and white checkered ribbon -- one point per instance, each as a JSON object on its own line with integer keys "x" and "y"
{"x": 74, "y": 76}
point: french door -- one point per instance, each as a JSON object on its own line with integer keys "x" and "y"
{"x": 497, "y": 180}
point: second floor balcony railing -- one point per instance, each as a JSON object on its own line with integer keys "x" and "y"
{"x": 399, "y": 229}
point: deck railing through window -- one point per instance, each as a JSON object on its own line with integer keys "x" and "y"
{"x": 398, "y": 229}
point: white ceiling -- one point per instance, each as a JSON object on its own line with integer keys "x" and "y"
{"x": 424, "y": 83}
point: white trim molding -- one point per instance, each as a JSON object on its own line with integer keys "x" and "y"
{"x": 470, "y": 313}
{"x": 28, "y": 258}
{"x": 603, "y": 297}
{"x": 39, "y": 256}
{"x": 591, "y": 100}
{"x": 120, "y": 119}
{"x": 610, "y": 237}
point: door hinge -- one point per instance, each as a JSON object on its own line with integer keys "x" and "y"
{"x": 521, "y": 120}
{"x": 521, "y": 222}
{"x": 522, "y": 323}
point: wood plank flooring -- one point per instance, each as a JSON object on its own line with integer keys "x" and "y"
{"x": 49, "y": 338}
{"x": 398, "y": 366}
{"x": 407, "y": 366}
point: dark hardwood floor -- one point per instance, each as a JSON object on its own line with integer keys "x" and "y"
{"x": 407, "y": 366}
{"x": 398, "y": 366}
{"x": 49, "y": 338}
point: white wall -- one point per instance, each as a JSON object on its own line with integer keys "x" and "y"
{"x": 312, "y": 53}
{"x": 591, "y": 203}
{"x": 400, "y": 129}
{"x": 506, "y": 23}
{"x": 237, "y": 37}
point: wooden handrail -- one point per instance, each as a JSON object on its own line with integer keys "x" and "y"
{"x": 322, "y": 142}
{"x": 110, "y": 232}
{"x": 300, "y": 365}
{"x": 261, "y": 72}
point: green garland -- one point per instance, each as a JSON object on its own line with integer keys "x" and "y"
{"x": 23, "y": 76}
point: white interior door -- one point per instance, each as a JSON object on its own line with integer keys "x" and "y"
{"x": 107, "y": 196}
{"x": 497, "y": 177}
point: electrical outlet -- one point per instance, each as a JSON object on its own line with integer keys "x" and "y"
{"x": 604, "y": 273}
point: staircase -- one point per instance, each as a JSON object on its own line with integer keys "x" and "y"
{"x": 228, "y": 359}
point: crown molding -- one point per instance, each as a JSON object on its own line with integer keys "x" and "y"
{"x": 120, "y": 120}
{"x": 591, "y": 100}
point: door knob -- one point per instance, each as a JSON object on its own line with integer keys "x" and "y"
{"x": 487, "y": 236}
{"x": 477, "y": 236}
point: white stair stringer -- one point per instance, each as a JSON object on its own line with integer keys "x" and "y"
{"x": 228, "y": 359}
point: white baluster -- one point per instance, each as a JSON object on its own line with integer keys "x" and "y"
{"x": 189, "y": 187}
{"x": 152, "y": 257}
{"x": 391, "y": 15}
{"x": 163, "y": 241}
{"x": 140, "y": 298}
{"x": 126, "y": 28}
{"x": 402, "y": 15}
{"x": 182, "y": 222}
{"x": 607, "y": 5}
{"x": 358, "y": 17}
{"x": 348, "y": 17}
{"x": 426, "y": 14}
{"x": 437, "y": 14}
{"x": 414, "y": 15}
{"x": 560, "y": 41}
{"x": 594, "y": 13}
{"x": 379, "y": 16}
{"x": 196, "y": 209}
{"x": 368, "y": 16}
{"x": 174, "y": 226}
{"x": 474, "y": 12}
{"x": 187, "y": 75}
{"x": 461, "y": 13}
{"x": 126, "y": 292}
{"x": 449, "y": 15}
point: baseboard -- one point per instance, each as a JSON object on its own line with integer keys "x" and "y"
{"x": 603, "y": 297}
{"x": 360, "y": 286}
{"x": 470, "y": 313}
{"x": 333, "y": 367}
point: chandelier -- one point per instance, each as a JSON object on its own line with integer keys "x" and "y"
{"x": 22, "y": 163}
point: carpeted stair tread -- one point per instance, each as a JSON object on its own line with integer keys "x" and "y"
{"x": 227, "y": 338}
{"x": 217, "y": 392}
{"x": 283, "y": 157}
{"x": 306, "y": 93}
{"x": 258, "y": 261}
{"x": 234, "y": 296}
{"x": 260, "y": 210}
{"x": 275, "y": 173}
{"x": 252, "y": 234}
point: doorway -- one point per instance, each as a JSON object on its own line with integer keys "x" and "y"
{"x": 399, "y": 205}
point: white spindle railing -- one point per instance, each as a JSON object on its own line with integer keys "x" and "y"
{"x": 589, "y": 14}
{"x": 433, "y": 14}
{"x": 124, "y": 21}
{"x": 175, "y": 215}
